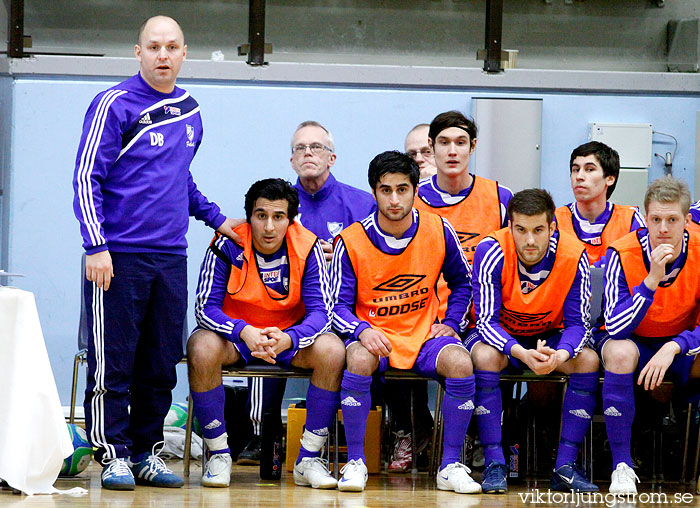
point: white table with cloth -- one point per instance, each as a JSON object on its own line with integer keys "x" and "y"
{"x": 34, "y": 438}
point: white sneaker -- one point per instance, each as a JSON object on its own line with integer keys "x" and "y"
{"x": 456, "y": 477}
{"x": 623, "y": 480}
{"x": 313, "y": 471}
{"x": 217, "y": 471}
{"x": 354, "y": 476}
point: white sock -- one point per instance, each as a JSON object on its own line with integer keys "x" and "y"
{"x": 217, "y": 443}
{"x": 312, "y": 442}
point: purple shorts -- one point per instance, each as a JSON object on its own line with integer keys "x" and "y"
{"x": 678, "y": 372}
{"x": 426, "y": 362}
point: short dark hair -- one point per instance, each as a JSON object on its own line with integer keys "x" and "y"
{"x": 392, "y": 162}
{"x": 532, "y": 202}
{"x": 272, "y": 189}
{"x": 452, "y": 119}
{"x": 608, "y": 158}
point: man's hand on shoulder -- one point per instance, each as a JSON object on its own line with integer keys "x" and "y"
{"x": 440, "y": 330}
{"x": 375, "y": 342}
{"x": 99, "y": 269}
{"x": 227, "y": 227}
{"x": 260, "y": 345}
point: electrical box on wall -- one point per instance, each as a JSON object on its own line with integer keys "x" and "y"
{"x": 631, "y": 140}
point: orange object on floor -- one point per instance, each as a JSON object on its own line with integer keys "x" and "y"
{"x": 296, "y": 418}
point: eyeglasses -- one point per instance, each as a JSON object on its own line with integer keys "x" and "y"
{"x": 316, "y": 148}
{"x": 425, "y": 152}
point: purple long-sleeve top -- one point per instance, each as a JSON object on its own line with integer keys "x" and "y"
{"x": 333, "y": 208}
{"x": 625, "y": 310}
{"x": 133, "y": 188}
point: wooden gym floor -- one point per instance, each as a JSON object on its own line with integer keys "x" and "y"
{"x": 383, "y": 491}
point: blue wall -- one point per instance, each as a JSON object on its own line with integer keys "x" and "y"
{"x": 247, "y": 131}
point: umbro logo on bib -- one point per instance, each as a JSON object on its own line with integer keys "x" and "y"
{"x": 400, "y": 282}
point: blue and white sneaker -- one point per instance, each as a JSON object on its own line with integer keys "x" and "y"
{"x": 494, "y": 478}
{"x": 569, "y": 478}
{"x": 354, "y": 476}
{"x": 116, "y": 475}
{"x": 153, "y": 471}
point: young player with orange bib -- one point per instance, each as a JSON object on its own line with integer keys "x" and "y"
{"x": 531, "y": 298}
{"x": 266, "y": 299}
{"x": 651, "y": 315}
{"x": 384, "y": 272}
{"x": 474, "y": 206}
{"x": 595, "y": 221}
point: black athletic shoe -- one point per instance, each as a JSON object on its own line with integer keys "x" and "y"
{"x": 250, "y": 455}
{"x": 570, "y": 478}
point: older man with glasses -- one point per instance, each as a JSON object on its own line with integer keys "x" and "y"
{"x": 326, "y": 207}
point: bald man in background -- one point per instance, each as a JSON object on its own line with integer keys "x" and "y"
{"x": 418, "y": 148}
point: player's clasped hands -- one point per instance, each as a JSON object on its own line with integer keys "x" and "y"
{"x": 542, "y": 360}
{"x": 265, "y": 343}
{"x": 282, "y": 340}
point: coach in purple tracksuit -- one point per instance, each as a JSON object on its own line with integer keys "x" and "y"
{"x": 134, "y": 194}
{"x": 326, "y": 207}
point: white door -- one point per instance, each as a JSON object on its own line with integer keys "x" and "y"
{"x": 508, "y": 147}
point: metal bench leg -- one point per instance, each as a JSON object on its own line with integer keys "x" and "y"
{"x": 436, "y": 447}
{"x": 336, "y": 454}
{"x": 188, "y": 436}
{"x": 414, "y": 441}
{"x": 684, "y": 467}
{"x": 587, "y": 452}
{"x": 73, "y": 394}
{"x": 653, "y": 455}
{"x": 697, "y": 458}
